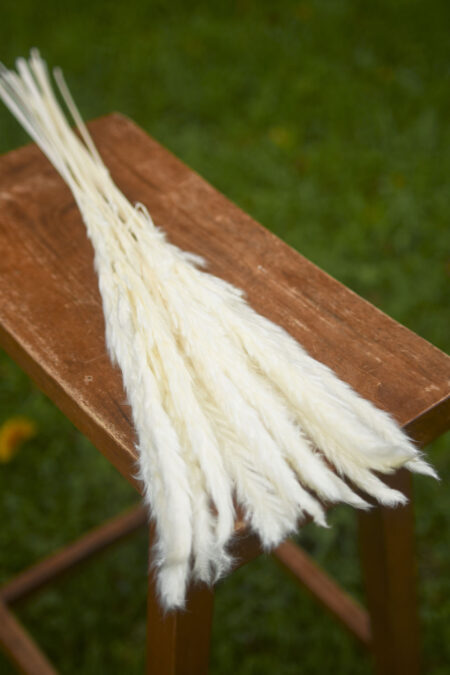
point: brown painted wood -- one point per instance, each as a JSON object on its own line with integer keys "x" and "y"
{"x": 387, "y": 555}
{"x": 98, "y": 539}
{"x": 58, "y": 335}
{"x": 310, "y": 576}
{"x": 50, "y": 313}
{"x": 178, "y": 642}
{"x": 19, "y": 646}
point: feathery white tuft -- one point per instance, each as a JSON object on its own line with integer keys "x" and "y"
{"x": 225, "y": 403}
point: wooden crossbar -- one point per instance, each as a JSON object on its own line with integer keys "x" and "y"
{"x": 331, "y": 596}
{"x": 20, "y": 647}
{"x": 47, "y": 570}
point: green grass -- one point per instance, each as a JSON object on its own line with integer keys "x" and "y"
{"x": 326, "y": 120}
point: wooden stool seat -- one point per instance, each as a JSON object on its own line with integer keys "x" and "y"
{"x": 51, "y": 324}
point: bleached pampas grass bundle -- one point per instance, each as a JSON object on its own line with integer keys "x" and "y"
{"x": 226, "y": 405}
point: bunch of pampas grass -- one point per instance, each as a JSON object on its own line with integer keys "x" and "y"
{"x": 226, "y": 405}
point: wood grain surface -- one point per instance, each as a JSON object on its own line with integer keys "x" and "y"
{"x": 51, "y": 318}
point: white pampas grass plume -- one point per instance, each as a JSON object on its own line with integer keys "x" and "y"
{"x": 225, "y": 403}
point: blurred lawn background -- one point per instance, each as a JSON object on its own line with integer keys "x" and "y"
{"x": 328, "y": 122}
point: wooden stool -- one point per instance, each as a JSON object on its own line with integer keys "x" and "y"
{"x": 51, "y": 323}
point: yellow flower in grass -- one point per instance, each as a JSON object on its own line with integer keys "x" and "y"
{"x": 13, "y": 433}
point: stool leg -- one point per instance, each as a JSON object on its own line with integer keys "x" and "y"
{"x": 387, "y": 554}
{"x": 178, "y": 642}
